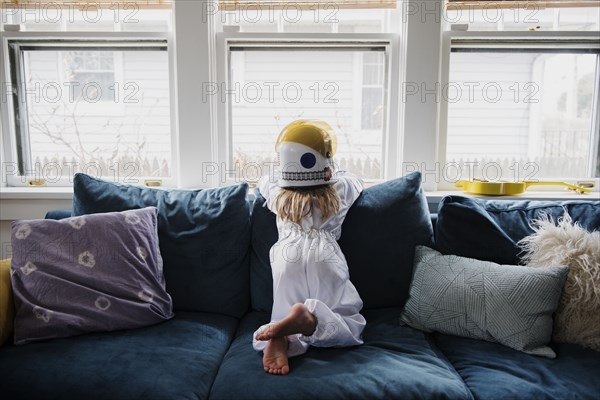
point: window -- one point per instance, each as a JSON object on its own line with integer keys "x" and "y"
{"x": 86, "y": 86}
{"x": 519, "y": 98}
{"x": 101, "y": 107}
{"x": 404, "y": 125}
{"x": 526, "y": 113}
{"x": 314, "y": 60}
{"x": 272, "y": 84}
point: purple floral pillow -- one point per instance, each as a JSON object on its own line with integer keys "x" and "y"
{"x": 99, "y": 272}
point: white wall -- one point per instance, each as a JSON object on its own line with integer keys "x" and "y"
{"x": 13, "y": 206}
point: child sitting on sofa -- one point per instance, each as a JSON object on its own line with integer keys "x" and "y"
{"x": 314, "y": 302}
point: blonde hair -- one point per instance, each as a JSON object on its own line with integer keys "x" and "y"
{"x": 294, "y": 204}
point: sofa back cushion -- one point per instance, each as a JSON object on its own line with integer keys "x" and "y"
{"x": 490, "y": 229}
{"x": 264, "y": 235}
{"x": 379, "y": 236}
{"x": 204, "y": 238}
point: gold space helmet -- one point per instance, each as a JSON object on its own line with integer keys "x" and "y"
{"x": 306, "y": 149}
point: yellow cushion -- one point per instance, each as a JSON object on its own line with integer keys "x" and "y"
{"x": 7, "y": 307}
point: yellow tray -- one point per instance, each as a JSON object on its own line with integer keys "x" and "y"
{"x": 502, "y": 188}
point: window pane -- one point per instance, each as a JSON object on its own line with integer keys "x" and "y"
{"x": 532, "y": 17}
{"x": 105, "y": 112}
{"x": 327, "y": 18}
{"x": 67, "y": 16}
{"x": 272, "y": 88}
{"x": 91, "y": 69}
{"x": 527, "y": 114}
{"x": 372, "y": 74}
{"x": 372, "y": 108}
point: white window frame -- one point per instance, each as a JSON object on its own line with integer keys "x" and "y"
{"x": 9, "y": 138}
{"x": 416, "y": 135}
{"x": 417, "y": 138}
{"x": 389, "y": 41}
{"x": 197, "y": 142}
{"x": 491, "y": 36}
{"x": 201, "y": 124}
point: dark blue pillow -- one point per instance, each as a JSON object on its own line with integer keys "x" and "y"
{"x": 490, "y": 229}
{"x": 264, "y": 236}
{"x": 204, "y": 238}
{"x": 379, "y": 236}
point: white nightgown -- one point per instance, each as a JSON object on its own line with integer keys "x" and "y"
{"x": 308, "y": 267}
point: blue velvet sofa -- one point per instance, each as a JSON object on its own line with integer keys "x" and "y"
{"x": 215, "y": 244}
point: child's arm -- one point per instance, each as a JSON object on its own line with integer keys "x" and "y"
{"x": 349, "y": 187}
{"x": 267, "y": 186}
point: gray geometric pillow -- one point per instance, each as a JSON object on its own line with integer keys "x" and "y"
{"x": 99, "y": 272}
{"x": 507, "y": 304}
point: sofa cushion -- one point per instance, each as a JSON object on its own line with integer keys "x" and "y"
{"x": 100, "y": 272}
{"x": 378, "y": 239}
{"x": 490, "y": 229}
{"x": 204, "y": 238}
{"x": 508, "y": 304}
{"x": 177, "y": 359}
{"x": 492, "y": 371}
{"x": 394, "y": 363}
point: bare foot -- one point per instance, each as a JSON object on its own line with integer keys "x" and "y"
{"x": 298, "y": 320}
{"x": 275, "y": 360}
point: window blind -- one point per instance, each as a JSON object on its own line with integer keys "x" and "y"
{"x": 232, "y": 5}
{"x": 528, "y": 4}
{"x": 81, "y": 4}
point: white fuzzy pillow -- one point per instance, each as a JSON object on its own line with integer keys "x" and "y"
{"x": 577, "y": 319}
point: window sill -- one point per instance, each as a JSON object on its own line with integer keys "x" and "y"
{"x": 36, "y": 193}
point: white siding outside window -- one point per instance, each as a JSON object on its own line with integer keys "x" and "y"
{"x": 521, "y": 114}
{"x": 280, "y": 86}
